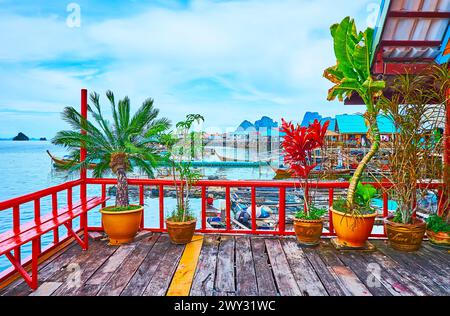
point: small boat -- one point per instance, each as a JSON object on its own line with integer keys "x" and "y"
{"x": 63, "y": 162}
{"x": 284, "y": 173}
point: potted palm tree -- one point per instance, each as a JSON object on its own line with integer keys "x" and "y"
{"x": 298, "y": 144}
{"x": 351, "y": 75}
{"x": 182, "y": 222}
{"x": 116, "y": 146}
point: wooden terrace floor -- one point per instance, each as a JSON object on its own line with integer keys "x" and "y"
{"x": 238, "y": 265}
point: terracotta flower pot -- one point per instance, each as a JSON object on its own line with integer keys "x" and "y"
{"x": 308, "y": 232}
{"x": 121, "y": 227}
{"x": 405, "y": 237}
{"x": 181, "y": 233}
{"x": 440, "y": 239}
{"x": 352, "y": 230}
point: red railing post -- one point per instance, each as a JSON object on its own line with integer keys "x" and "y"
{"x": 204, "y": 207}
{"x": 83, "y": 172}
{"x": 254, "y": 227}
{"x": 385, "y": 209}
{"x": 282, "y": 211}
{"x": 330, "y": 213}
{"x": 55, "y": 215}
{"x": 16, "y": 229}
{"x": 161, "y": 206}
{"x": 141, "y": 203}
{"x": 227, "y": 208}
{"x": 37, "y": 219}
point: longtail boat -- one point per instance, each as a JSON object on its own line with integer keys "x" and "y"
{"x": 62, "y": 162}
{"x": 285, "y": 173}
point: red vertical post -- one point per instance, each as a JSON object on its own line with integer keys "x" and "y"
{"x": 83, "y": 173}
{"x": 330, "y": 213}
{"x": 282, "y": 211}
{"x": 16, "y": 229}
{"x": 141, "y": 202}
{"x": 55, "y": 215}
{"x": 385, "y": 209}
{"x": 227, "y": 209}
{"x": 203, "y": 208}
{"x": 37, "y": 219}
{"x": 70, "y": 202}
{"x": 161, "y": 206}
{"x": 254, "y": 227}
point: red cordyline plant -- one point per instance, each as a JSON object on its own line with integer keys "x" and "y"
{"x": 299, "y": 143}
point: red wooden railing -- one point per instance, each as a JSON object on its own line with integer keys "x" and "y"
{"x": 35, "y": 198}
{"x": 252, "y": 185}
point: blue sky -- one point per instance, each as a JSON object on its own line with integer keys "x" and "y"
{"x": 229, "y": 60}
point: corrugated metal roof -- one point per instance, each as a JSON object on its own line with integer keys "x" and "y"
{"x": 417, "y": 29}
{"x": 355, "y": 124}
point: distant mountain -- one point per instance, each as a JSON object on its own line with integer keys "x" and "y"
{"x": 309, "y": 117}
{"x": 265, "y": 122}
{"x": 244, "y": 126}
{"x": 21, "y": 137}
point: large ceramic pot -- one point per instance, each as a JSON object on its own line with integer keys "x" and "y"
{"x": 308, "y": 232}
{"x": 405, "y": 237}
{"x": 181, "y": 233}
{"x": 440, "y": 239}
{"x": 352, "y": 230}
{"x": 121, "y": 227}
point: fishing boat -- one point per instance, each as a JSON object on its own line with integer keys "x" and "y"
{"x": 64, "y": 162}
{"x": 285, "y": 173}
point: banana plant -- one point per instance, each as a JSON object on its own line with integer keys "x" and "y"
{"x": 351, "y": 75}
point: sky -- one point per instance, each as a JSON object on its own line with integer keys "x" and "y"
{"x": 228, "y": 60}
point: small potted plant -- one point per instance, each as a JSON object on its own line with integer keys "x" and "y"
{"x": 414, "y": 162}
{"x": 298, "y": 145}
{"x": 352, "y": 75}
{"x": 182, "y": 222}
{"x": 118, "y": 146}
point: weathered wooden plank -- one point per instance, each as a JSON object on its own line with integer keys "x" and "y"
{"x": 372, "y": 278}
{"x": 110, "y": 266}
{"x": 347, "y": 279}
{"x": 225, "y": 278}
{"x": 78, "y": 272}
{"x": 327, "y": 276}
{"x": 264, "y": 275}
{"x": 164, "y": 273}
{"x": 411, "y": 266}
{"x": 115, "y": 285}
{"x": 46, "y": 289}
{"x": 137, "y": 284}
{"x": 287, "y": 286}
{"x": 305, "y": 275}
{"x": 246, "y": 284}
{"x": 184, "y": 274}
{"x": 203, "y": 283}
{"x": 442, "y": 254}
{"x": 46, "y": 270}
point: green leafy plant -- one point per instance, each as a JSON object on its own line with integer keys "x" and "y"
{"x": 351, "y": 75}
{"x": 313, "y": 214}
{"x": 364, "y": 194}
{"x": 416, "y": 110}
{"x": 179, "y": 157}
{"x": 437, "y": 224}
{"x": 126, "y": 142}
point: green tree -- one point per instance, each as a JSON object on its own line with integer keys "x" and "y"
{"x": 120, "y": 145}
{"x": 352, "y": 75}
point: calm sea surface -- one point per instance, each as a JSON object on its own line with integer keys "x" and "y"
{"x": 25, "y": 167}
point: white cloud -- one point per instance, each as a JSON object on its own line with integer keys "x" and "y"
{"x": 268, "y": 55}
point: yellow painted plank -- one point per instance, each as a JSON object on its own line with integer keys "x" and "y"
{"x": 183, "y": 277}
